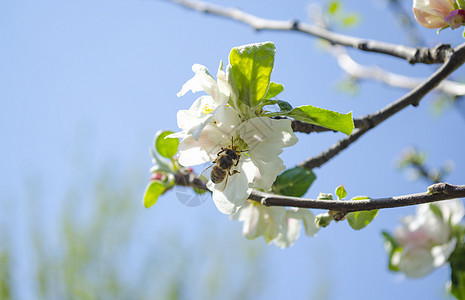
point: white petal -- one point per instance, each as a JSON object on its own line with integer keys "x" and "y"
{"x": 452, "y": 210}
{"x": 194, "y": 120}
{"x": 265, "y": 139}
{"x": 203, "y": 103}
{"x": 188, "y": 119}
{"x": 251, "y": 229}
{"x": 289, "y": 234}
{"x": 192, "y": 152}
{"x": 177, "y": 135}
{"x": 275, "y": 217}
{"x": 202, "y": 81}
{"x": 231, "y": 194}
{"x": 416, "y": 262}
{"x": 307, "y": 218}
{"x": 224, "y": 88}
{"x": 441, "y": 253}
{"x": 196, "y": 130}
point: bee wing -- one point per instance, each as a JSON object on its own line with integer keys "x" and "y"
{"x": 225, "y": 182}
{"x": 206, "y": 173}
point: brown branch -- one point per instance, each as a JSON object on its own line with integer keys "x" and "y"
{"x": 434, "y": 55}
{"x": 438, "y": 192}
{"x": 411, "y": 98}
{"x": 443, "y": 191}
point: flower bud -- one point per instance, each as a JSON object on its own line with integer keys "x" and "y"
{"x": 431, "y": 13}
{"x": 456, "y": 18}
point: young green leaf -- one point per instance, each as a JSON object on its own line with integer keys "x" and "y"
{"x": 333, "y": 7}
{"x": 294, "y": 182}
{"x": 273, "y": 90}
{"x": 251, "y": 66}
{"x": 391, "y": 247}
{"x": 153, "y": 190}
{"x": 360, "y": 219}
{"x": 167, "y": 147}
{"x": 269, "y": 102}
{"x": 284, "y": 106}
{"x": 350, "y": 20}
{"x": 341, "y": 192}
{"x": 323, "y": 117}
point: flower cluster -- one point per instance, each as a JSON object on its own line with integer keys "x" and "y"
{"x": 439, "y": 13}
{"x": 229, "y": 128}
{"x": 211, "y": 125}
{"x": 425, "y": 241}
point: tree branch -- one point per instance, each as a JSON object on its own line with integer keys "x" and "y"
{"x": 442, "y": 191}
{"x": 439, "y": 192}
{"x": 359, "y": 71}
{"x": 433, "y": 55}
{"x": 411, "y": 98}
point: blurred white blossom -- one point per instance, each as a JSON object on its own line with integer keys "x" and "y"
{"x": 426, "y": 239}
{"x": 278, "y": 225}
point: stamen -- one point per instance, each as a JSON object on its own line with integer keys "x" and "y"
{"x": 207, "y": 109}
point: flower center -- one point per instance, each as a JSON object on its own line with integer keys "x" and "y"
{"x": 207, "y": 109}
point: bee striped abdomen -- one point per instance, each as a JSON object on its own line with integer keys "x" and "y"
{"x": 217, "y": 175}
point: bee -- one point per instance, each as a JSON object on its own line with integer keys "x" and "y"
{"x": 226, "y": 159}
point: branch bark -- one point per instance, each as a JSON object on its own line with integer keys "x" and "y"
{"x": 411, "y": 98}
{"x": 423, "y": 55}
{"x": 438, "y": 192}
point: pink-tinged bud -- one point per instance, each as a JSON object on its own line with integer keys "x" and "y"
{"x": 456, "y": 18}
{"x": 157, "y": 176}
{"x": 431, "y": 13}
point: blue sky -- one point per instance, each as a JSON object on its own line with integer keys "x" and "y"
{"x": 85, "y": 85}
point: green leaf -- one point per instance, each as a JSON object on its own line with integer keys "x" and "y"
{"x": 457, "y": 265}
{"x": 251, "y": 66}
{"x": 153, "y": 190}
{"x": 199, "y": 191}
{"x": 323, "y": 117}
{"x": 341, "y": 192}
{"x": 294, "y": 182}
{"x": 360, "y": 219}
{"x": 350, "y": 20}
{"x": 273, "y": 90}
{"x": 333, "y": 7}
{"x": 167, "y": 147}
{"x": 284, "y": 106}
{"x": 437, "y": 211}
{"x": 391, "y": 247}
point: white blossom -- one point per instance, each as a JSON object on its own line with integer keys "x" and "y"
{"x": 425, "y": 239}
{"x": 211, "y": 125}
{"x": 278, "y": 225}
{"x": 200, "y": 113}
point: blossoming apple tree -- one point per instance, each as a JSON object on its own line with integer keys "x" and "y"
{"x": 239, "y": 128}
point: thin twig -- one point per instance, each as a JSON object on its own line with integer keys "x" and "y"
{"x": 411, "y": 98}
{"x": 433, "y": 55}
{"x": 438, "y": 192}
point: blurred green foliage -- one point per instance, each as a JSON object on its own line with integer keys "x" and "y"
{"x": 96, "y": 251}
